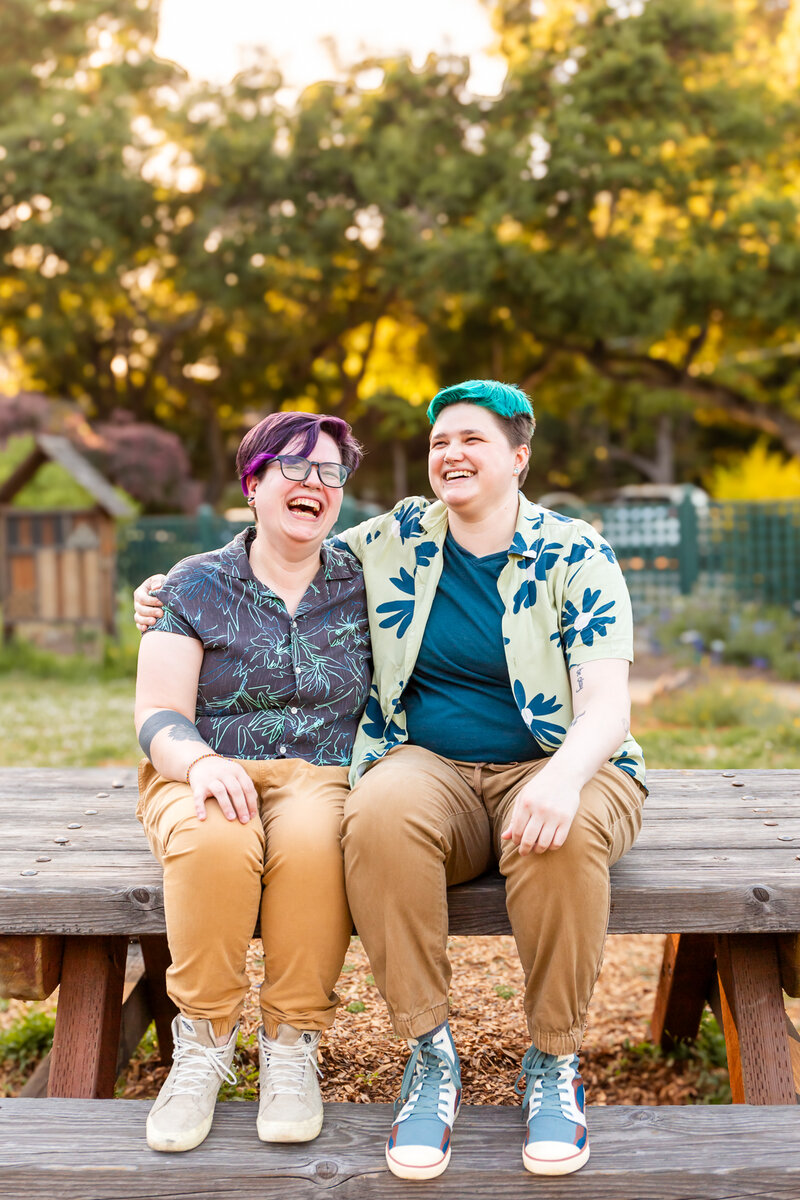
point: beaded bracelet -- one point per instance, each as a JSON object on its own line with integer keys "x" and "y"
{"x": 200, "y": 757}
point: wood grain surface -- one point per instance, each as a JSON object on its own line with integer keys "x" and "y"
{"x": 712, "y": 857}
{"x": 89, "y": 1150}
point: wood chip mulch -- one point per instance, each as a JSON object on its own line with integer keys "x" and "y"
{"x": 363, "y": 1060}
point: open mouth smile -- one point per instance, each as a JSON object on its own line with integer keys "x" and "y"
{"x": 457, "y": 473}
{"x": 305, "y": 506}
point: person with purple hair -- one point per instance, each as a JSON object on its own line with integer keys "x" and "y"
{"x": 250, "y": 687}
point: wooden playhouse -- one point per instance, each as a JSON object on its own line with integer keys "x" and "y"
{"x": 57, "y": 566}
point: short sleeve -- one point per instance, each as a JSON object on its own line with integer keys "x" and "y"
{"x": 596, "y": 620}
{"x": 357, "y": 537}
{"x": 176, "y": 617}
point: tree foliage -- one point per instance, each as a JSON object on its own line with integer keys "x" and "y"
{"x": 618, "y": 231}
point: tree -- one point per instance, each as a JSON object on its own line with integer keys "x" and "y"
{"x": 618, "y": 231}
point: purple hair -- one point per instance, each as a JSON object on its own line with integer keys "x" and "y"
{"x": 279, "y": 430}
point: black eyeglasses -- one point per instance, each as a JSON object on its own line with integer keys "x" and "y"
{"x": 293, "y": 466}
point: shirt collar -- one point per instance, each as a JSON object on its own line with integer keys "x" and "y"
{"x": 338, "y": 563}
{"x": 529, "y": 519}
{"x": 234, "y": 557}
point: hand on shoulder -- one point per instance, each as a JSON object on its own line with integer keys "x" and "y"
{"x": 147, "y": 609}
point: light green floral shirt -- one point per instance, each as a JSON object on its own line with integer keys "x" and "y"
{"x": 566, "y": 603}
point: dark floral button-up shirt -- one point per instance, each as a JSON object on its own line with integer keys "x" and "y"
{"x": 272, "y": 685}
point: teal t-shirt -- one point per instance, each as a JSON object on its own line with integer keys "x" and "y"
{"x": 458, "y": 701}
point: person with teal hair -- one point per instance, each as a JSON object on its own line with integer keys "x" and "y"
{"x": 503, "y": 399}
{"x": 496, "y": 733}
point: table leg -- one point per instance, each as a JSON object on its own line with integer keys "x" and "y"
{"x": 157, "y": 958}
{"x": 87, "y": 1029}
{"x": 687, "y": 969}
{"x": 754, "y": 1020}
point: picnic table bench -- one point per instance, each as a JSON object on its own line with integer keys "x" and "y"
{"x": 716, "y": 869}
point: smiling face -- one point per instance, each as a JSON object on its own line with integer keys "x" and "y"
{"x": 302, "y": 513}
{"x": 471, "y": 464}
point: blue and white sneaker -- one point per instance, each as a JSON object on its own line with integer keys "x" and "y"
{"x": 430, "y": 1096}
{"x": 556, "y": 1140}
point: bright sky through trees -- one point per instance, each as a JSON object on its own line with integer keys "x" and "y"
{"x": 213, "y": 39}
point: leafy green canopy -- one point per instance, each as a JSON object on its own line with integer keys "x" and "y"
{"x": 617, "y": 233}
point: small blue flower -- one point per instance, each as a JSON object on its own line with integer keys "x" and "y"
{"x": 406, "y": 523}
{"x": 424, "y": 553}
{"x": 588, "y": 622}
{"x": 578, "y": 550}
{"x": 399, "y": 612}
{"x": 534, "y": 712}
{"x": 626, "y": 762}
{"x": 376, "y": 724}
{"x": 541, "y": 558}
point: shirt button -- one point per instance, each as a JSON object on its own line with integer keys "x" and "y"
{"x": 281, "y": 750}
{"x": 292, "y": 710}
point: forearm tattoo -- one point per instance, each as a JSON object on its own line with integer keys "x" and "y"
{"x": 180, "y": 727}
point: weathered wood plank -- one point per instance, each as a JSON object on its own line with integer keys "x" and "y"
{"x": 97, "y": 1149}
{"x": 686, "y": 971}
{"x": 754, "y": 1020}
{"x": 132, "y": 864}
{"x": 87, "y": 1028}
{"x": 644, "y": 900}
{"x": 135, "y": 1017}
{"x": 721, "y": 833}
{"x": 682, "y": 876}
{"x": 30, "y": 967}
{"x": 666, "y": 786}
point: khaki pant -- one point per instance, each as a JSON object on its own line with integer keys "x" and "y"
{"x": 416, "y": 823}
{"x": 218, "y": 875}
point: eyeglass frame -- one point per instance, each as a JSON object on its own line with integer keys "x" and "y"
{"x": 310, "y": 464}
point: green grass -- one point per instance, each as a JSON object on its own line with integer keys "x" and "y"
{"x": 706, "y": 1054}
{"x": 83, "y": 716}
{"x": 66, "y": 723}
{"x": 23, "y": 1044}
{"x": 719, "y": 723}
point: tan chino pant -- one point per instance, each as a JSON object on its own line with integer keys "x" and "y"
{"x": 417, "y": 823}
{"x": 218, "y": 876}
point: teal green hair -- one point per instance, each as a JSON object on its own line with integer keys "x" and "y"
{"x": 504, "y": 399}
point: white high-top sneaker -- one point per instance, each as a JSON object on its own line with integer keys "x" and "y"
{"x": 290, "y": 1104}
{"x": 182, "y": 1114}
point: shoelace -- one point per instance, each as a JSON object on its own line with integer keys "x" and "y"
{"x": 551, "y": 1101}
{"x": 191, "y": 1062}
{"x": 425, "y": 1090}
{"x": 287, "y": 1065}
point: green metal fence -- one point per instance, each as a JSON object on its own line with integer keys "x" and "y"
{"x": 153, "y": 544}
{"x": 731, "y": 553}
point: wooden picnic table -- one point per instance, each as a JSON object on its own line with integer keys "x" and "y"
{"x": 716, "y": 867}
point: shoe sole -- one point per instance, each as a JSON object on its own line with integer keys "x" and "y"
{"x": 564, "y": 1166}
{"x": 405, "y": 1171}
{"x": 176, "y": 1145}
{"x": 290, "y": 1131}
